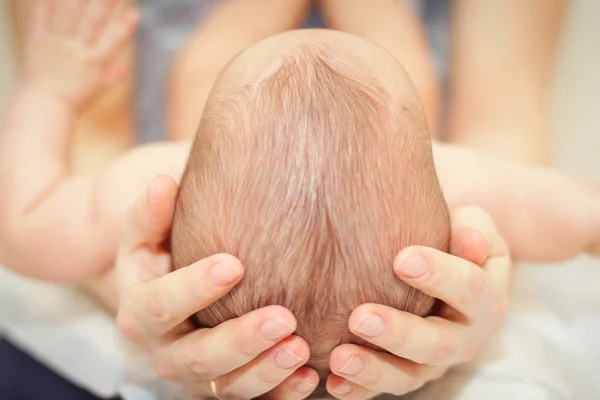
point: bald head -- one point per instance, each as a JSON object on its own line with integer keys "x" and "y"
{"x": 313, "y": 166}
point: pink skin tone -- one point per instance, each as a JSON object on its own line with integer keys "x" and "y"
{"x": 40, "y": 193}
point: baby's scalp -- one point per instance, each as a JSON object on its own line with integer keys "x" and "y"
{"x": 315, "y": 172}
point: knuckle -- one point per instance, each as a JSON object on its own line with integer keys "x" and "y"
{"x": 227, "y": 392}
{"x": 437, "y": 282}
{"x": 372, "y": 378}
{"x": 442, "y": 353}
{"x": 400, "y": 341}
{"x": 163, "y": 370}
{"x": 267, "y": 376}
{"x": 128, "y": 327}
{"x": 157, "y": 307}
{"x": 240, "y": 345}
{"x": 474, "y": 285}
{"x": 197, "y": 365}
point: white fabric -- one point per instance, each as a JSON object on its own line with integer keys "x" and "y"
{"x": 66, "y": 330}
{"x": 548, "y": 350}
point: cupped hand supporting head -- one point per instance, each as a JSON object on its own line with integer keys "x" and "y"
{"x": 250, "y": 356}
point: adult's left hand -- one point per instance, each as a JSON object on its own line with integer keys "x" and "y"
{"x": 472, "y": 282}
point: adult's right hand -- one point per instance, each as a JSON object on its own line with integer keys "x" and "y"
{"x": 246, "y": 357}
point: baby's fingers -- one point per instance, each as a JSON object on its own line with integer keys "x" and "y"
{"x": 66, "y": 15}
{"x": 115, "y": 40}
{"x": 95, "y": 18}
{"x": 40, "y": 20}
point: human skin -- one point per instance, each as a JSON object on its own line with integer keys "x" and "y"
{"x": 458, "y": 329}
{"x": 104, "y": 129}
{"x": 229, "y": 28}
{"x": 101, "y": 132}
{"x": 114, "y": 188}
{"x": 502, "y": 58}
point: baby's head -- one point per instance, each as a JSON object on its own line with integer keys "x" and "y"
{"x": 313, "y": 166}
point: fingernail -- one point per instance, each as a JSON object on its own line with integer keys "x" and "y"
{"x": 412, "y": 266}
{"x": 370, "y": 325}
{"x": 286, "y": 359}
{"x": 342, "y": 389}
{"x": 354, "y": 366}
{"x": 305, "y": 387}
{"x": 275, "y": 329}
{"x": 224, "y": 273}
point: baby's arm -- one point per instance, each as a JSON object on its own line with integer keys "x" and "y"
{"x": 46, "y": 215}
{"x": 544, "y": 215}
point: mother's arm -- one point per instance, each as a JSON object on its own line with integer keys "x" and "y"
{"x": 503, "y": 55}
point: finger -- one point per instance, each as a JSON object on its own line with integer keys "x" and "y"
{"x": 68, "y": 18}
{"x": 477, "y": 219}
{"x": 469, "y": 244}
{"x": 430, "y": 341}
{"x": 498, "y": 261}
{"x": 62, "y": 15}
{"x": 40, "y": 22}
{"x": 341, "y": 388}
{"x": 266, "y": 372}
{"x": 95, "y": 18}
{"x": 116, "y": 74}
{"x": 461, "y": 284}
{"x": 154, "y": 308}
{"x": 116, "y": 39}
{"x": 298, "y": 386}
{"x": 378, "y": 372}
{"x": 207, "y": 353}
{"x": 140, "y": 256}
{"x": 151, "y": 218}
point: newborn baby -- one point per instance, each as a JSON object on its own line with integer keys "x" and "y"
{"x": 313, "y": 165}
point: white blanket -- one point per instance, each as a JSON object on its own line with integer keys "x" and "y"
{"x": 549, "y": 348}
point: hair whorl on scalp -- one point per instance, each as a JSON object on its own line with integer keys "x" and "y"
{"x": 315, "y": 179}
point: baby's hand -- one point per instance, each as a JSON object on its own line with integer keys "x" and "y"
{"x": 73, "y": 47}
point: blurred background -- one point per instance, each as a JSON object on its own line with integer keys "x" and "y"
{"x": 556, "y": 317}
{"x": 575, "y": 117}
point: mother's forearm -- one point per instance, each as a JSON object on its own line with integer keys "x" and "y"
{"x": 502, "y": 59}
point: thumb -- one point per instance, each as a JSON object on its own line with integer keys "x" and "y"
{"x": 151, "y": 217}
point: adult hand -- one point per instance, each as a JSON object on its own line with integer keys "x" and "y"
{"x": 421, "y": 349}
{"x": 242, "y": 358}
